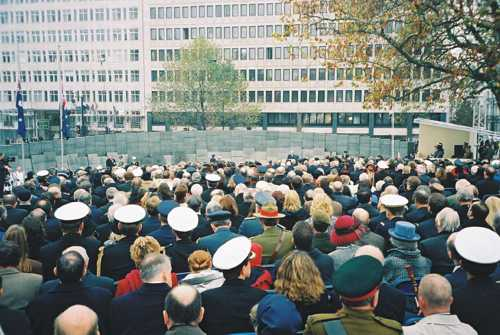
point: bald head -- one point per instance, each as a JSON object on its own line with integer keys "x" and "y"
{"x": 9, "y": 200}
{"x": 370, "y": 250}
{"x": 183, "y": 305}
{"x": 434, "y": 294}
{"x": 76, "y": 320}
{"x": 361, "y": 216}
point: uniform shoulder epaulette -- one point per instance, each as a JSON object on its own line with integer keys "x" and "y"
{"x": 388, "y": 323}
{"x": 322, "y": 317}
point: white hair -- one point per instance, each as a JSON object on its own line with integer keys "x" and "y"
{"x": 447, "y": 220}
{"x": 196, "y": 189}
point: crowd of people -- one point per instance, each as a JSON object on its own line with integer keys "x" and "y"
{"x": 335, "y": 245}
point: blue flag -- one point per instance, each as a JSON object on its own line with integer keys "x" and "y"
{"x": 65, "y": 122}
{"x": 21, "y": 125}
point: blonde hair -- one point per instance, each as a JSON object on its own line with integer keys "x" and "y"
{"x": 143, "y": 246}
{"x": 17, "y": 234}
{"x": 493, "y": 204}
{"x": 321, "y": 201}
{"x": 199, "y": 260}
{"x": 299, "y": 279}
{"x": 292, "y": 201}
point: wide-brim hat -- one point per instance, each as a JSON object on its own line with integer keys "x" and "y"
{"x": 232, "y": 253}
{"x": 345, "y": 231}
{"x": 404, "y": 231}
{"x": 130, "y": 214}
{"x": 269, "y": 211}
{"x": 72, "y": 211}
{"x": 182, "y": 219}
{"x": 478, "y": 245}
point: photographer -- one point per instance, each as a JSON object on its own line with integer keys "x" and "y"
{"x": 4, "y": 172}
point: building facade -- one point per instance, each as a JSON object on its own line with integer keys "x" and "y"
{"x": 111, "y": 55}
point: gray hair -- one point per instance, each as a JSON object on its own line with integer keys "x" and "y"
{"x": 405, "y": 245}
{"x": 465, "y": 194}
{"x": 435, "y": 290}
{"x": 110, "y": 193}
{"x": 153, "y": 265}
{"x": 447, "y": 220}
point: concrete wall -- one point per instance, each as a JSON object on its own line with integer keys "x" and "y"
{"x": 238, "y": 145}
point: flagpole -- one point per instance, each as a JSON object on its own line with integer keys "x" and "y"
{"x": 61, "y": 106}
{"x": 19, "y": 89}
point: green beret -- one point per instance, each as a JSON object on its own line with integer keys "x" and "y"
{"x": 358, "y": 278}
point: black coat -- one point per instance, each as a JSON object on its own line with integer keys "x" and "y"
{"x": 427, "y": 229}
{"x": 14, "y": 322}
{"x": 487, "y": 186}
{"x": 116, "y": 261}
{"x": 140, "y": 312}
{"x": 372, "y": 211}
{"x": 179, "y": 252}
{"x": 227, "y": 308}
{"x": 347, "y": 202}
{"x": 434, "y": 248}
{"x": 14, "y": 216}
{"x": 50, "y": 253}
{"x": 324, "y": 263}
{"x": 478, "y": 304}
{"x": 46, "y": 307}
{"x": 89, "y": 280}
{"x": 203, "y": 229}
{"x": 418, "y": 215}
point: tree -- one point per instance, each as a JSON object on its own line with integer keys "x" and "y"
{"x": 463, "y": 114}
{"x": 402, "y": 49}
{"x": 199, "y": 88}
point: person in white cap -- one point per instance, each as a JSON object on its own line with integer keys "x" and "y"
{"x": 213, "y": 180}
{"x": 395, "y": 207}
{"x": 478, "y": 303}
{"x": 114, "y": 259}
{"x": 72, "y": 217}
{"x": 227, "y": 307}
{"x": 182, "y": 220}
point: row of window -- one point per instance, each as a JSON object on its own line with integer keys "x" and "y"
{"x": 297, "y": 74}
{"x": 69, "y": 15}
{"x": 210, "y": 11}
{"x": 73, "y": 96}
{"x": 69, "y": 35}
{"x": 295, "y": 96}
{"x": 39, "y": 76}
{"x": 381, "y": 120}
{"x": 72, "y": 56}
{"x": 268, "y": 53}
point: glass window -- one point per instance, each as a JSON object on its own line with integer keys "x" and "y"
{"x": 194, "y": 12}
{"x": 278, "y": 8}
{"x": 243, "y": 32}
{"x": 218, "y": 10}
{"x": 243, "y": 54}
{"x": 185, "y": 12}
{"x": 312, "y": 74}
{"x": 312, "y": 96}
{"x": 358, "y": 95}
{"x": 260, "y": 75}
{"x": 303, "y": 96}
{"x": 269, "y": 30}
{"x": 269, "y": 9}
{"x": 261, "y": 9}
{"x": 177, "y": 12}
{"x": 260, "y": 96}
{"x": 331, "y": 74}
{"x": 321, "y": 74}
{"x": 251, "y": 53}
{"x": 330, "y": 96}
{"x": 235, "y": 10}
{"x": 133, "y": 13}
{"x": 269, "y": 96}
{"x": 277, "y": 74}
{"x": 251, "y": 96}
{"x": 340, "y": 96}
{"x": 269, "y": 74}
{"x": 321, "y": 96}
{"x": 348, "y": 96}
{"x": 252, "y": 10}
{"x": 340, "y": 74}
{"x": 251, "y": 75}
{"x": 243, "y": 10}
{"x": 201, "y": 11}
{"x": 161, "y": 13}
{"x": 277, "y": 96}
{"x": 227, "y": 10}
{"x": 295, "y": 96}
{"x": 277, "y": 53}
{"x": 260, "y": 31}
{"x": 252, "y": 31}
{"x": 269, "y": 53}
{"x": 286, "y": 74}
{"x": 286, "y": 96}
{"x": 210, "y": 11}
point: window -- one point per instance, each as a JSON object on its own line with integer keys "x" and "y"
{"x": 135, "y": 96}
{"x": 330, "y": 96}
{"x": 261, "y": 9}
{"x": 68, "y": 37}
{"x": 277, "y": 74}
{"x": 243, "y": 10}
{"x": 218, "y": 11}
{"x": 134, "y": 34}
{"x": 286, "y": 96}
{"x": 348, "y": 96}
{"x": 134, "y": 55}
{"x": 118, "y": 96}
{"x": 269, "y": 9}
{"x": 134, "y": 75}
{"x": 321, "y": 96}
{"x": 185, "y": 12}
{"x": 99, "y": 35}
{"x": 51, "y": 15}
{"x": 251, "y": 75}
{"x": 133, "y": 13}
{"x": 358, "y": 95}
{"x": 117, "y": 75}
{"x": 252, "y": 10}
{"x": 85, "y": 76}
{"x": 269, "y": 96}
{"x": 340, "y": 96}
{"x": 83, "y": 14}
{"x": 227, "y": 10}
{"x": 353, "y": 119}
{"x": 277, "y": 96}
{"x": 53, "y": 96}
{"x": 99, "y": 14}
{"x": 117, "y": 35}
{"x": 235, "y": 10}
{"x": 116, "y": 14}
{"x": 84, "y": 56}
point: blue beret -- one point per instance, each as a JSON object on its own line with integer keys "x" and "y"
{"x": 190, "y": 169}
{"x": 278, "y": 315}
{"x": 262, "y": 169}
{"x": 219, "y": 215}
{"x": 166, "y": 206}
{"x": 54, "y": 180}
{"x": 263, "y": 198}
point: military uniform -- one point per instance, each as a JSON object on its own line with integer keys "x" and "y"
{"x": 269, "y": 239}
{"x": 356, "y": 281}
{"x": 114, "y": 259}
{"x": 354, "y": 322}
{"x": 214, "y": 241}
{"x": 179, "y": 251}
